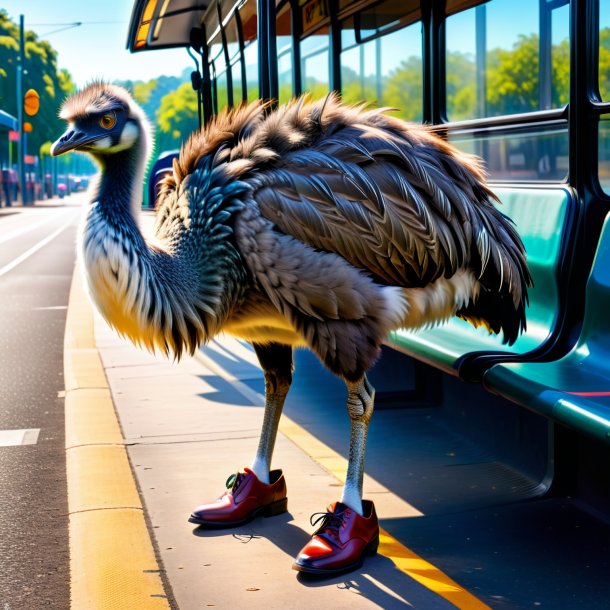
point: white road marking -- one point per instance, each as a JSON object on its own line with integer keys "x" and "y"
{"x": 35, "y": 248}
{"x": 30, "y": 227}
{"x": 13, "y": 438}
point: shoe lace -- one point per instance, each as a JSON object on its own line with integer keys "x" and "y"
{"x": 234, "y": 481}
{"x": 331, "y": 522}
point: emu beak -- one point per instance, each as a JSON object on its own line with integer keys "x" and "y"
{"x": 70, "y": 140}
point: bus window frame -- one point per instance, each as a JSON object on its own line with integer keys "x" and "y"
{"x": 583, "y": 111}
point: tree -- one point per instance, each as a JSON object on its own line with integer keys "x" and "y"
{"x": 177, "y": 117}
{"x": 460, "y": 86}
{"x": 40, "y": 73}
{"x": 404, "y": 89}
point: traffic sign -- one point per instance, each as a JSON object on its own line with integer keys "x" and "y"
{"x": 31, "y": 102}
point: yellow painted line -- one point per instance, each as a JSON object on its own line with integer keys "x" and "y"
{"x": 404, "y": 559}
{"x": 112, "y": 560}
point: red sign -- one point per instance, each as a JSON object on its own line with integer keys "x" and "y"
{"x": 13, "y": 136}
{"x": 29, "y": 159}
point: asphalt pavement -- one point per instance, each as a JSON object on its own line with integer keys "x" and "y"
{"x": 455, "y": 533}
{"x": 36, "y": 265}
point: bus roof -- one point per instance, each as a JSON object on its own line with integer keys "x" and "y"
{"x": 163, "y": 24}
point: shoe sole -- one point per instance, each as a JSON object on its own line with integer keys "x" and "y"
{"x": 269, "y": 510}
{"x": 369, "y": 550}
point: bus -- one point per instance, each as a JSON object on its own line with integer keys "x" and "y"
{"x": 524, "y": 84}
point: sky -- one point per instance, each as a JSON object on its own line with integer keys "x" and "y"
{"x": 95, "y": 49}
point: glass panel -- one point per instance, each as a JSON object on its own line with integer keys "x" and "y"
{"x": 314, "y": 64}
{"x": 538, "y": 153}
{"x": 247, "y": 14}
{"x": 232, "y": 38}
{"x": 215, "y": 48}
{"x": 604, "y": 50}
{"x": 560, "y": 57}
{"x": 220, "y": 68}
{"x": 237, "y": 85}
{"x": 221, "y": 91}
{"x": 283, "y": 28}
{"x": 385, "y": 70}
{"x": 251, "y": 59}
{"x": 604, "y": 152}
{"x": 507, "y": 57}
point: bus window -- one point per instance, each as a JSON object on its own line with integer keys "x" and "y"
{"x": 604, "y": 50}
{"x": 314, "y": 64}
{"x": 232, "y": 38}
{"x": 222, "y": 96}
{"x": 237, "y": 83}
{"x": 533, "y": 154}
{"x": 247, "y": 15}
{"x": 381, "y": 58}
{"x": 285, "y": 54}
{"x": 507, "y": 57}
{"x": 218, "y": 71}
{"x": 604, "y": 152}
{"x": 235, "y": 59}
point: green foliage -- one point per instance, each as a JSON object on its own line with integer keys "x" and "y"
{"x": 149, "y": 93}
{"x": 604, "y": 64}
{"x": 511, "y": 77}
{"x": 177, "y": 117}
{"x": 512, "y": 80}
{"x": 404, "y": 91}
{"x": 40, "y": 73}
{"x": 461, "y": 95}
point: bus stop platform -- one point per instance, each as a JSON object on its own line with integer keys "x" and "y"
{"x": 185, "y": 427}
{"x": 188, "y": 426}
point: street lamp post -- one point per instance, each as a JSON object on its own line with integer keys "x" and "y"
{"x": 20, "y": 141}
{"x": 20, "y": 69}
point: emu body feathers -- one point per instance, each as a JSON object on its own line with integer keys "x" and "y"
{"x": 315, "y": 224}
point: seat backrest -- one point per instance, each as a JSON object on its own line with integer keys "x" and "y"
{"x": 541, "y": 216}
{"x": 594, "y": 338}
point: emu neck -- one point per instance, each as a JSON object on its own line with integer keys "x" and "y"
{"x": 120, "y": 184}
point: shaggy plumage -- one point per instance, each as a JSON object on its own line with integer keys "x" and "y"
{"x": 316, "y": 224}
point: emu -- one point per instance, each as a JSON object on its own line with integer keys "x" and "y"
{"x": 315, "y": 224}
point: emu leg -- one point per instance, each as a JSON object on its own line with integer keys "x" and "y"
{"x": 276, "y": 361}
{"x": 360, "y": 404}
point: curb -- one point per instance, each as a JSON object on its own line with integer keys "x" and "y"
{"x": 112, "y": 559}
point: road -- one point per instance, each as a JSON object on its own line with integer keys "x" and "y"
{"x": 37, "y": 256}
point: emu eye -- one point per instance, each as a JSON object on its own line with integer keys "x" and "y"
{"x": 108, "y": 121}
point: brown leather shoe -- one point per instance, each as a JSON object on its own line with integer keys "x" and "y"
{"x": 246, "y": 498}
{"x": 341, "y": 542}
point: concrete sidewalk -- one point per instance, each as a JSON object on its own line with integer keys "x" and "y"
{"x": 188, "y": 426}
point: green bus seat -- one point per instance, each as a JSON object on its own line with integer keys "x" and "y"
{"x": 574, "y": 390}
{"x": 543, "y": 218}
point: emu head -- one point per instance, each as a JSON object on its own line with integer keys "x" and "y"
{"x": 102, "y": 119}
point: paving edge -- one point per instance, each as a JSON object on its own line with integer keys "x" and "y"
{"x": 112, "y": 559}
